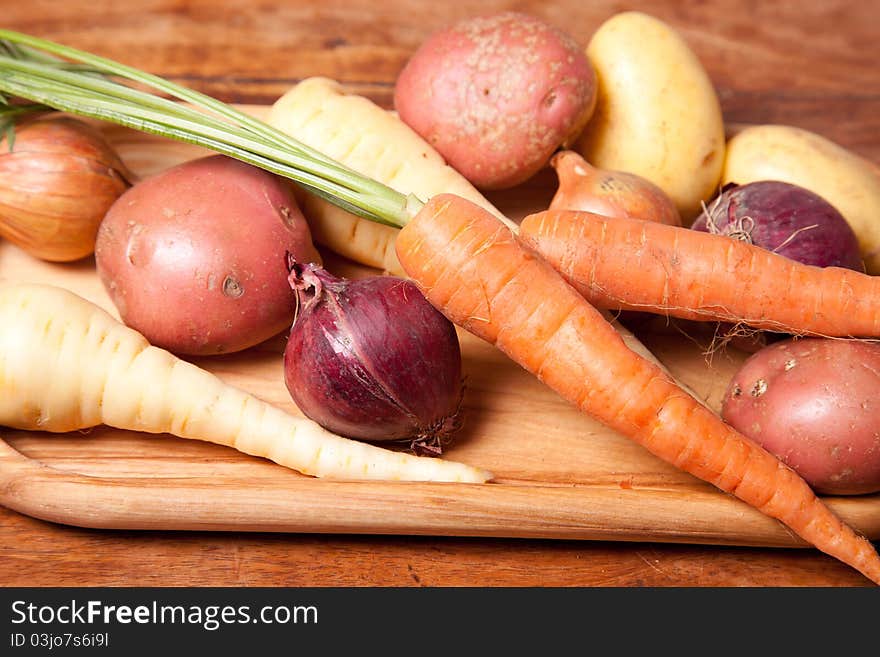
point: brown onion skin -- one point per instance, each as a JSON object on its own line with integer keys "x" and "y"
{"x": 771, "y": 214}
{"x": 371, "y": 359}
{"x": 56, "y": 184}
{"x": 195, "y": 257}
{"x": 583, "y": 187}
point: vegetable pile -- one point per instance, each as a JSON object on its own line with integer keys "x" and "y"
{"x": 632, "y": 126}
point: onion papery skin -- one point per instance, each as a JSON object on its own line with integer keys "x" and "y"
{"x": 57, "y": 182}
{"x": 786, "y": 219}
{"x": 371, "y": 359}
{"x": 586, "y": 188}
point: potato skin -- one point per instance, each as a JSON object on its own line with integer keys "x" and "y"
{"x": 657, "y": 113}
{"x": 801, "y": 157}
{"x": 815, "y": 404}
{"x": 497, "y": 95}
{"x": 194, "y": 257}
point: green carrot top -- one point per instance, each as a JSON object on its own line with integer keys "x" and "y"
{"x": 70, "y": 80}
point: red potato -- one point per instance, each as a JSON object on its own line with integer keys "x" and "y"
{"x": 815, "y": 404}
{"x": 194, "y": 258}
{"x": 497, "y": 95}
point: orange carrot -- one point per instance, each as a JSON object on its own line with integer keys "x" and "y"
{"x": 473, "y": 269}
{"x": 629, "y": 264}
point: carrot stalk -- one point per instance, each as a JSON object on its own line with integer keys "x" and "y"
{"x": 629, "y": 264}
{"x": 66, "y": 364}
{"x": 475, "y": 270}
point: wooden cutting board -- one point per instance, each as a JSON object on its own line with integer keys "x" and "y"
{"x": 559, "y": 474}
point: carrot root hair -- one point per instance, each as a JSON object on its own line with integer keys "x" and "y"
{"x": 630, "y": 264}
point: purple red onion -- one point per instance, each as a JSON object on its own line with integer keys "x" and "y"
{"x": 371, "y": 359}
{"x": 784, "y": 218}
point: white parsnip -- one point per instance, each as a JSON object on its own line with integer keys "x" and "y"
{"x": 67, "y": 364}
{"x": 353, "y": 130}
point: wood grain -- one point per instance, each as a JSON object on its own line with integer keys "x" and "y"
{"x": 807, "y": 64}
{"x": 35, "y": 553}
{"x": 803, "y": 63}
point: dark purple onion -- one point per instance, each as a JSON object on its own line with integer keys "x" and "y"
{"x": 785, "y": 218}
{"x": 371, "y": 359}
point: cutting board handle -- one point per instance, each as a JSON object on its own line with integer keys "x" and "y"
{"x": 15, "y": 468}
{"x": 33, "y": 488}
{"x": 25, "y": 483}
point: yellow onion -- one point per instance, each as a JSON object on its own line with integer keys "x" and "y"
{"x": 57, "y": 182}
{"x": 609, "y": 193}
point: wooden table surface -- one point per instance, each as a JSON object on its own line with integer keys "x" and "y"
{"x": 809, "y": 64}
